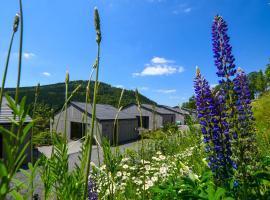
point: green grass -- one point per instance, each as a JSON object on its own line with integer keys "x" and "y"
{"x": 261, "y": 109}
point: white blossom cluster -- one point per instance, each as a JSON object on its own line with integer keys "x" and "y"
{"x": 141, "y": 174}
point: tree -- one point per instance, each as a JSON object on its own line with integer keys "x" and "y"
{"x": 42, "y": 116}
{"x": 191, "y": 104}
{"x": 267, "y": 74}
{"x": 252, "y": 78}
{"x": 260, "y": 82}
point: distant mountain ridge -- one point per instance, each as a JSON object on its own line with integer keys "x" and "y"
{"x": 54, "y": 94}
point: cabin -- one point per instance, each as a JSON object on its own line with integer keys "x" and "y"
{"x": 126, "y": 128}
{"x": 179, "y": 114}
{"x": 5, "y": 115}
{"x": 190, "y": 112}
{"x": 152, "y": 116}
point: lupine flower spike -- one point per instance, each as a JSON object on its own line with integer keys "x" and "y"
{"x": 224, "y": 60}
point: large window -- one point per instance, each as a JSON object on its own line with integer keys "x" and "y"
{"x": 145, "y": 122}
{"x": 77, "y": 130}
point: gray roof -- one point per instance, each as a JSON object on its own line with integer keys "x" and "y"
{"x": 103, "y": 111}
{"x": 175, "y": 109}
{"x": 6, "y": 113}
{"x": 158, "y": 109}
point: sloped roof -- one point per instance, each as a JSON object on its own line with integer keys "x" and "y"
{"x": 7, "y": 113}
{"x": 176, "y": 109}
{"x": 103, "y": 111}
{"x": 157, "y": 109}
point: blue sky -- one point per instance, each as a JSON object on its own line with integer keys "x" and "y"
{"x": 152, "y": 45}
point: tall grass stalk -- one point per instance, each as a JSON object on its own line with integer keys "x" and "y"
{"x": 87, "y": 102}
{"x": 20, "y": 54}
{"x": 34, "y": 111}
{"x": 115, "y": 124}
{"x": 15, "y": 28}
{"x": 66, "y": 98}
{"x": 66, "y": 103}
{"x": 142, "y": 139}
{"x": 89, "y": 138}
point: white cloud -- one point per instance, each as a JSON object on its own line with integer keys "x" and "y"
{"x": 187, "y": 10}
{"x": 182, "y": 8}
{"x": 119, "y": 86}
{"x": 169, "y": 91}
{"x": 46, "y": 74}
{"x": 159, "y": 66}
{"x": 27, "y": 55}
{"x": 181, "y": 69}
{"x": 143, "y": 88}
{"x": 156, "y": 71}
{"x": 160, "y": 60}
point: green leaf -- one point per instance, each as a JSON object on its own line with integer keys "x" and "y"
{"x": 228, "y": 198}
{"x": 3, "y": 179}
{"x": 8, "y": 132}
{"x": 219, "y": 193}
{"x": 16, "y": 195}
{"x": 263, "y": 175}
{"x": 3, "y": 169}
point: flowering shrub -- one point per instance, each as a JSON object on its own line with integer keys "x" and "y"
{"x": 138, "y": 176}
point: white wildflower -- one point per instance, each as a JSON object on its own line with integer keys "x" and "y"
{"x": 147, "y": 167}
{"x": 125, "y": 166}
{"x": 118, "y": 174}
{"x": 161, "y": 157}
{"x": 148, "y": 184}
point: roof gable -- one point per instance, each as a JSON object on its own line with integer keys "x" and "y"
{"x": 7, "y": 113}
{"x": 103, "y": 111}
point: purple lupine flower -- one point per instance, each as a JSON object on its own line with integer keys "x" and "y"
{"x": 211, "y": 127}
{"x": 224, "y": 60}
{"x": 92, "y": 192}
{"x": 243, "y": 102}
{"x": 245, "y": 120}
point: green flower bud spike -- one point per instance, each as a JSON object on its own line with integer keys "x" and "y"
{"x": 198, "y": 72}
{"x": 97, "y": 26}
{"x": 16, "y": 23}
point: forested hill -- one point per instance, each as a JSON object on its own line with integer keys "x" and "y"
{"x": 54, "y": 94}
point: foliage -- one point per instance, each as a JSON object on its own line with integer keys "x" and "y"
{"x": 261, "y": 108}
{"x": 15, "y": 144}
{"x": 42, "y": 116}
{"x": 53, "y": 95}
{"x": 190, "y": 103}
{"x": 170, "y": 128}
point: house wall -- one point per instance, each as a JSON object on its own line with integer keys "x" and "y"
{"x": 127, "y": 127}
{"x": 73, "y": 115}
{"x": 179, "y": 117}
{"x": 168, "y": 118}
{"x": 127, "y": 130}
{"x": 155, "y": 119}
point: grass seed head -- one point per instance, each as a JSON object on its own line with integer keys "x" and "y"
{"x": 16, "y": 23}
{"x": 97, "y": 26}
